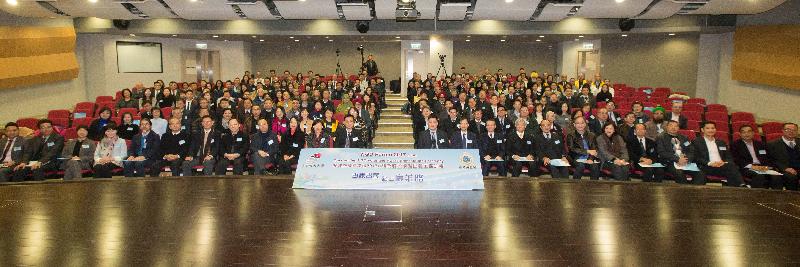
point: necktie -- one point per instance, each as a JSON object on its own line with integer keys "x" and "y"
{"x": 641, "y": 141}
{"x": 347, "y": 141}
{"x": 144, "y": 144}
{"x": 792, "y": 144}
{"x": 205, "y": 141}
{"x": 547, "y": 135}
{"x": 433, "y": 140}
{"x": 464, "y": 139}
{"x": 491, "y": 136}
{"x": 5, "y": 150}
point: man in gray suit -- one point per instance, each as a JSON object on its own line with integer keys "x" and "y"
{"x": 42, "y": 153}
{"x": 13, "y": 149}
{"x": 78, "y": 154}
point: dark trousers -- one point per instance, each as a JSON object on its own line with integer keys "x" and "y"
{"x": 580, "y": 168}
{"x": 208, "y": 166}
{"x": 37, "y": 174}
{"x": 680, "y": 176}
{"x": 137, "y": 168}
{"x": 285, "y": 166}
{"x": 651, "y": 174}
{"x": 728, "y": 170}
{"x": 516, "y": 169}
{"x": 174, "y": 166}
{"x": 104, "y": 170}
{"x": 558, "y": 172}
{"x": 620, "y": 173}
{"x": 238, "y": 165}
{"x": 501, "y": 167}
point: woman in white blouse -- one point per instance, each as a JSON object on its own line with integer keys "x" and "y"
{"x": 109, "y": 152}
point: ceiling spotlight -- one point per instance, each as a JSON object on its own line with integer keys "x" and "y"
{"x": 193, "y": 1}
{"x": 397, "y": 37}
{"x": 538, "y": 40}
{"x": 671, "y": 34}
{"x": 261, "y": 40}
{"x": 326, "y": 37}
{"x": 297, "y": 40}
{"x": 502, "y": 40}
{"x": 132, "y": 35}
{"x": 224, "y": 40}
{"x": 362, "y": 26}
{"x": 330, "y": 40}
{"x": 92, "y": 1}
{"x": 405, "y": 1}
{"x": 215, "y": 36}
{"x": 302, "y": 0}
{"x": 541, "y": 36}
{"x": 577, "y": 40}
{"x": 509, "y": 1}
{"x": 620, "y": 1}
{"x": 624, "y": 35}
{"x": 580, "y": 36}
{"x": 466, "y": 40}
{"x": 291, "y": 37}
{"x": 174, "y": 35}
{"x": 11, "y": 2}
{"x": 254, "y": 36}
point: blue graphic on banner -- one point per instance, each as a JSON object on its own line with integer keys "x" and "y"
{"x": 387, "y": 169}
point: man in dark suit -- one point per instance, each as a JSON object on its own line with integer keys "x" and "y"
{"x": 503, "y": 122}
{"x": 750, "y": 154}
{"x": 550, "y": 146}
{"x": 675, "y": 115}
{"x": 476, "y": 125}
{"x": 613, "y": 115}
{"x": 13, "y": 149}
{"x": 675, "y": 149}
{"x": 450, "y": 123}
{"x": 263, "y": 148}
{"x": 596, "y": 122}
{"x": 642, "y": 150}
{"x": 433, "y": 137}
{"x": 371, "y": 66}
{"x": 143, "y": 152}
{"x": 42, "y": 154}
{"x": 785, "y": 155}
{"x": 492, "y": 147}
{"x": 232, "y": 149}
{"x": 174, "y": 147}
{"x": 713, "y": 156}
{"x": 519, "y": 144}
{"x": 204, "y": 148}
{"x": 348, "y": 137}
{"x": 463, "y": 138}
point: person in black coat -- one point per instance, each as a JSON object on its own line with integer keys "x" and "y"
{"x": 492, "y": 147}
{"x": 675, "y": 149}
{"x": 291, "y": 143}
{"x": 263, "y": 148}
{"x": 463, "y": 139}
{"x": 751, "y": 154}
{"x": 582, "y": 144}
{"x": 785, "y": 154}
{"x": 677, "y": 108}
{"x": 713, "y": 156}
{"x": 348, "y": 137}
{"x": 174, "y": 147}
{"x": 642, "y": 150}
{"x": 42, "y": 154}
{"x": 449, "y": 124}
{"x": 550, "y": 146}
{"x": 520, "y": 146}
{"x": 503, "y": 121}
{"x": 203, "y": 151}
{"x": 477, "y": 125}
{"x": 232, "y": 149}
{"x": 433, "y": 137}
{"x": 143, "y": 152}
{"x": 127, "y": 129}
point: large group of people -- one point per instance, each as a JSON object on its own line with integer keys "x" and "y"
{"x": 258, "y": 123}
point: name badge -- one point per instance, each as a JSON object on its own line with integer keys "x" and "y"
{"x": 295, "y": 145}
{"x": 508, "y": 126}
{"x": 641, "y": 120}
{"x": 130, "y": 128}
{"x": 355, "y": 138}
{"x": 161, "y": 101}
{"x": 483, "y": 123}
{"x": 441, "y": 141}
{"x": 722, "y": 148}
{"x": 591, "y": 117}
{"x": 51, "y": 144}
{"x": 85, "y": 146}
{"x": 181, "y": 142}
{"x": 529, "y": 142}
{"x": 270, "y": 142}
{"x": 469, "y": 141}
{"x": 499, "y": 141}
{"x": 557, "y": 142}
{"x": 686, "y": 143}
{"x": 17, "y": 148}
{"x": 320, "y": 140}
{"x": 239, "y": 139}
{"x": 257, "y": 127}
{"x": 183, "y": 127}
{"x": 762, "y": 152}
{"x": 283, "y": 125}
{"x": 212, "y": 140}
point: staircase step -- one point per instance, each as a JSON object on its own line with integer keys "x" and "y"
{"x": 394, "y": 145}
{"x": 385, "y": 120}
{"x": 384, "y": 123}
{"x": 394, "y": 139}
{"x": 393, "y": 134}
{"x": 395, "y": 116}
{"x": 395, "y": 128}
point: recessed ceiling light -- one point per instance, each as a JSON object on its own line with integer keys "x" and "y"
{"x": 192, "y": 1}
{"x": 671, "y": 34}
{"x": 509, "y": 1}
{"x": 215, "y": 36}
{"x": 132, "y": 35}
{"x": 254, "y": 36}
{"x": 291, "y": 37}
{"x": 468, "y": 36}
{"x": 224, "y": 40}
{"x": 302, "y": 0}
{"x": 538, "y": 40}
{"x": 52, "y": 17}
{"x": 174, "y": 35}
{"x": 577, "y": 40}
{"x": 261, "y": 40}
{"x": 92, "y": 1}
{"x": 541, "y": 36}
{"x": 330, "y": 40}
{"x": 11, "y": 2}
{"x": 466, "y": 40}
{"x": 502, "y": 40}
{"x": 580, "y": 36}
{"x": 620, "y": 1}
{"x": 397, "y": 37}
{"x": 297, "y": 40}
{"x": 624, "y": 35}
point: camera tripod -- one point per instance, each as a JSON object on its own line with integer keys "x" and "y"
{"x": 338, "y": 65}
{"x": 442, "y": 69}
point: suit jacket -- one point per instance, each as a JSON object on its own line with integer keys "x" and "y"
{"x": 520, "y": 146}
{"x": 212, "y": 144}
{"x": 456, "y": 142}
{"x": 341, "y": 137}
{"x": 448, "y": 126}
{"x": 575, "y": 144}
{"x": 702, "y": 157}
{"x": 612, "y": 148}
{"x": 742, "y": 157}
{"x": 323, "y": 141}
{"x": 779, "y": 153}
{"x": 151, "y": 147}
{"x": 86, "y": 152}
{"x": 492, "y": 147}
{"x": 652, "y": 128}
{"x": 682, "y": 120}
{"x": 552, "y": 148}
{"x": 291, "y": 144}
{"x": 596, "y": 126}
{"x": 18, "y": 149}
{"x": 666, "y": 150}
{"x": 44, "y": 152}
{"x": 635, "y": 149}
{"x": 477, "y": 127}
{"x": 506, "y": 126}
{"x": 424, "y": 139}
{"x": 260, "y": 141}
{"x": 233, "y": 143}
{"x": 176, "y": 144}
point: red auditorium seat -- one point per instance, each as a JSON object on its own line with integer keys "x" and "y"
{"x": 70, "y": 133}
{"x": 693, "y": 125}
{"x": 693, "y": 108}
{"x": 739, "y": 124}
{"x": 691, "y": 115}
{"x": 82, "y": 121}
{"x": 722, "y": 126}
{"x": 87, "y": 108}
{"x": 58, "y": 113}
{"x": 723, "y": 136}
{"x": 338, "y": 117}
{"x": 743, "y": 116}
{"x": 717, "y": 116}
{"x": 774, "y": 136}
{"x": 701, "y": 101}
{"x": 689, "y": 134}
{"x": 166, "y": 112}
{"x": 772, "y": 127}
{"x": 717, "y": 108}
{"x": 30, "y": 123}
{"x": 601, "y": 104}
{"x": 104, "y": 98}
{"x": 63, "y": 122}
{"x": 336, "y": 103}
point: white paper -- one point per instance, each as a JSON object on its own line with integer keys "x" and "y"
{"x": 769, "y": 172}
{"x": 559, "y": 163}
{"x": 654, "y": 165}
{"x": 689, "y": 167}
{"x": 584, "y": 161}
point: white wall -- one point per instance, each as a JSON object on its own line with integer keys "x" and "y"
{"x": 101, "y": 58}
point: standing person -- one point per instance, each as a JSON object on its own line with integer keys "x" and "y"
{"x": 614, "y": 152}
{"x": 291, "y": 143}
{"x": 110, "y": 152}
{"x": 371, "y": 66}
{"x": 233, "y": 149}
{"x": 78, "y": 154}
{"x": 42, "y": 154}
{"x": 14, "y": 147}
{"x": 263, "y": 148}
{"x": 143, "y": 152}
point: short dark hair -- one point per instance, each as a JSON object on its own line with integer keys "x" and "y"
{"x": 11, "y": 124}
{"x": 82, "y": 127}
{"x": 43, "y": 121}
{"x": 707, "y": 123}
{"x": 745, "y": 126}
{"x": 789, "y": 123}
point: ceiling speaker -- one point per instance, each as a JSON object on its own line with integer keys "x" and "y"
{"x": 121, "y": 24}
{"x": 362, "y": 26}
{"x": 626, "y": 24}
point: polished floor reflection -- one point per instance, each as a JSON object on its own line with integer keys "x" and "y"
{"x": 258, "y": 222}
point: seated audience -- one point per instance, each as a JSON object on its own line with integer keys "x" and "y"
{"x": 549, "y": 146}
{"x": 14, "y": 148}
{"x": 676, "y": 152}
{"x": 127, "y": 100}
{"x": 110, "y": 152}
{"x": 432, "y": 137}
{"x": 348, "y": 137}
{"x": 463, "y": 138}
{"x": 613, "y": 152}
{"x": 264, "y": 147}
{"x": 713, "y": 156}
{"x": 143, "y": 152}
{"x": 785, "y": 155}
{"x": 159, "y": 123}
{"x": 291, "y": 143}
{"x": 751, "y": 156}
{"x": 174, "y": 147}
{"x": 657, "y": 125}
{"x": 204, "y": 148}
{"x": 675, "y": 114}
{"x": 127, "y": 129}
{"x": 78, "y": 154}
{"x": 492, "y": 149}
{"x": 642, "y": 152}
{"x": 520, "y": 144}
{"x": 582, "y": 145}
{"x": 232, "y": 149}
{"x": 96, "y": 127}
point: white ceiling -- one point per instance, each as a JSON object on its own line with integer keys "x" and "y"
{"x": 517, "y": 10}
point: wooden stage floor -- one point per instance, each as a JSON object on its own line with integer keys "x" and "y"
{"x": 249, "y": 221}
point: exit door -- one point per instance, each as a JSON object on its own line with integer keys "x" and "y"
{"x": 200, "y": 65}
{"x": 588, "y": 63}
